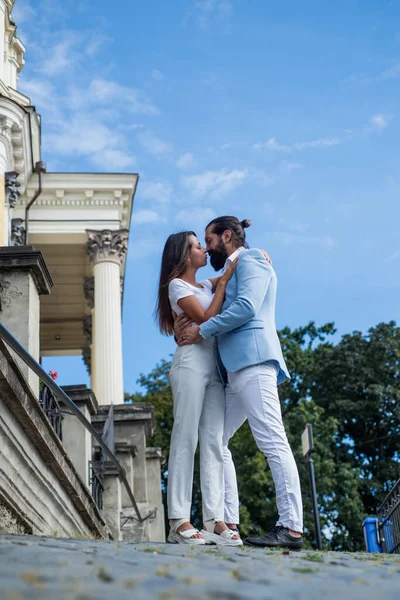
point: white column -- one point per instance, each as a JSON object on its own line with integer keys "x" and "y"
{"x": 107, "y": 249}
{"x": 2, "y": 38}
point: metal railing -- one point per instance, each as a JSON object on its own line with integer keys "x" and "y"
{"x": 61, "y": 396}
{"x": 51, "y": 408}
{"x": 96, "y": 476}
{"x": 389, "y": 521}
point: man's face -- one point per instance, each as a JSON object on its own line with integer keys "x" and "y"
{"x": 216, "y": 249}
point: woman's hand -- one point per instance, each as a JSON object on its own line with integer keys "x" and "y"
{"x": 267, "y": 257}
{"x": 228, "y": 273}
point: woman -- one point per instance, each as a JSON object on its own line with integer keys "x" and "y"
{"x": 199, "y": 399}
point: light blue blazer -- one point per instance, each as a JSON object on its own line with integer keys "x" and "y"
{"x": 245, "y": 329}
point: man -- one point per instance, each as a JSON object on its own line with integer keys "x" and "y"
{"x": 250, "y": 351}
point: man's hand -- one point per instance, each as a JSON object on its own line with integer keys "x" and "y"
{"x": 181, "y": 323}
{"x": 190, "y": 336}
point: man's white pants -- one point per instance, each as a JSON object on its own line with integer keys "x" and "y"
{"x": 199, "y": 404}
{"x": 252, "y": 394}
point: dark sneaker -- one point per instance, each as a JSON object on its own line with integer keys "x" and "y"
{"x": 279, "y": 537}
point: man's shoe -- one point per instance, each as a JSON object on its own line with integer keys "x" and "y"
{"x": 279, "y": 537}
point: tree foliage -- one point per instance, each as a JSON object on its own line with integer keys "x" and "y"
{"x": 350, "y": 393}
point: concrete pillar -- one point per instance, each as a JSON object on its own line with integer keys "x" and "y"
{"x": 112, "y": 501}
{"x": 125, "y": 452}
{"x": 76, "y": 439}
{"x": 133, "y": 424}
{"x": 106, "y": 250}
{"x": 154, "y": 460}
{"x": 23, "y": 278}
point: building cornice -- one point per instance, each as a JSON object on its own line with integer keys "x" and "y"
{"x": 90, "y": 191}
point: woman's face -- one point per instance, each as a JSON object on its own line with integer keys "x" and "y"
{"x": 197, "y": 256}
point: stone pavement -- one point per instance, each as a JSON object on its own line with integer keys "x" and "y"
{"x": 75, "y": 569}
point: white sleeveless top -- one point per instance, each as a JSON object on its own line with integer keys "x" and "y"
{"x": 178, "y": 289}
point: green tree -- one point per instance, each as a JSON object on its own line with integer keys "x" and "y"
{"x": 358, "y": 382}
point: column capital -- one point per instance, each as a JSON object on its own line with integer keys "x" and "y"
{"x": 107, "y": 245}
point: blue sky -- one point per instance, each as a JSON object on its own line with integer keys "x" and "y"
{"x": 285, "y": 113}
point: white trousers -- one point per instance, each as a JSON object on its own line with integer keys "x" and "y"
{"x": 199, "y": 405}
{"x": 252, "y": 394}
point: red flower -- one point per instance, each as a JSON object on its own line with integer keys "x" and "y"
{"x": 53, "y": 375}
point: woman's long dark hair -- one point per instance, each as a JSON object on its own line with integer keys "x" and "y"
{"x": 173, "y": 264}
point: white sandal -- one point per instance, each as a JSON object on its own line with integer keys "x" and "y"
{"x": 184, "y": 537}
{"x": 225, "y": 538}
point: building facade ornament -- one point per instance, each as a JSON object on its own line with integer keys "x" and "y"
{"x": 87, "y": 328}
{"x": 88, "y": 290}
{"x": 12, "y": 185}
{"x": 87, "y": 358}
{"x": 17, "y": 232}
{"x": 8, "y": 293}
{"x": 107, "y": 245}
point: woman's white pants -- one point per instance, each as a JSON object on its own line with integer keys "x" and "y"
{"x": 252, "y": 394}
{"x": 199, "y": 405}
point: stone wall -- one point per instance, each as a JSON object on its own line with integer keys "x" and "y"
{"x": 38, "y": 482}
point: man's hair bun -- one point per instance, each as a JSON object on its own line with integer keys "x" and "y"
{"x": 245, "y": 223}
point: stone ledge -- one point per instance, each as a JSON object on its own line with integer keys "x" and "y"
{"x": 123, "y": 413}
{"x": 155, "y": 453}
{"x": 26, "y": 258}
{"x": 20, "y": 401}
{"x": 81, "y": 394}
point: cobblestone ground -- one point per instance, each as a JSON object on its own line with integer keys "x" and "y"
{"x": 44, "y": 568}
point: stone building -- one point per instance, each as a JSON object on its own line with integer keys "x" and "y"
{"x": 63, "y": 243}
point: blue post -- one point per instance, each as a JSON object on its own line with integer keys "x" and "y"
{"x": 370, "y": 528}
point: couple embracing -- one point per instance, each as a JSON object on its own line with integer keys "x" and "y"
{"x": 226, "y": 369}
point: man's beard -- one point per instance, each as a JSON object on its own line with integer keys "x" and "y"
{"x": 218, "y": 256}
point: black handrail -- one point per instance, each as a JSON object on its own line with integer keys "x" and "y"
{"x": 11, "y": 341}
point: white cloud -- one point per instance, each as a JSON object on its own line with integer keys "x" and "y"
{"x": 290, "y": 239}
{"x": 215, "y": 183}
{"x": 153, "y": 144}
{"x": 146, "y": 216}
{"x": 60, "y": 58}
{"x": 272, "y": 144}
{"x": 294, "y": 227}
{"x": 392, "y": 73}
{"x": 379, "y": 122}
{"x": 189, "y": 217}
{"x": 105, "y": 92}
{"x": 82, "y": 135}
{"x": 142, "y": 248}
{"x": 157, "y": 75}
{"x": 86, "y": 136}
{"x": 185, "y": 161}
{"x": 289, "y": 167}
{"x": 160, "y": 191}
{"x": 40, "y": 91}
{"x": 112, "y": 159}
{"x": 393, "y": 256}
{"x": 95, "y": 43}
{"x": 23, "y": 11}
{"x": 210, "y": 11}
